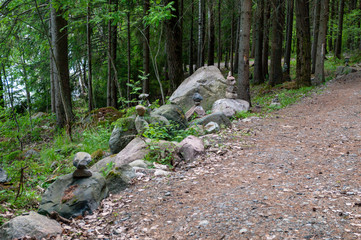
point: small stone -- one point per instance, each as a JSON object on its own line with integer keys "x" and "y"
{"x": 167, "y": 194}
{"x": 3, "y": 176}
{"x": 141, "y": 110}
{"x": 197, "y": 97}
{"x": 243, "y": 230}
{"x": 160, "y": 172}
{"x": 82, "y": 173}
{"x": 204, "y": 223}
{"x": 81, "y": 160}
{"x": 211, "y": 127}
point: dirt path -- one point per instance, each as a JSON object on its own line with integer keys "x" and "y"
{"x": 293, "y": 175}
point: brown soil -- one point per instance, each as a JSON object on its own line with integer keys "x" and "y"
{"x": 293, "y": 175}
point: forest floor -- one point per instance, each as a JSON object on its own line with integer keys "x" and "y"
{"x": 295, "y": 174}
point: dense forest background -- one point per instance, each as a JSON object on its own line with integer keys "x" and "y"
{"x": 107, "y": 52}
{"x": 67, "y": 58}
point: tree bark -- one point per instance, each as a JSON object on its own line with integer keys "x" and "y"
{"x": 200, "y": 59}
{"x": 236, "y": 51}
{"x": 146, "y": 49}
{"x": 232, "y": 44}
{"x": 2, "y": 100}
{"x": 219, "y": 35}
{"x": 331, "y": 32}
{"x": 129, "y": 66}
{"x": 316, "y": 24}
{"x": 267, "y": 16}
{"x": 338, "y": 49}
{"x": 320, "y": 74}
{"x": 303, "y": 69}
{"x": 174, "y": 47}
{"x": 59, "y": 49}
{"x": 258, "y": 68}
{"x": 211, "y": 33}
{"x": 289, "y": 31}
{"x": 112, "y": 100}
{"x": 243, "y": 90}
{"x": 276, "y": 74}
{"x": 191, "y": 40}
{"x": 90, "y": 67}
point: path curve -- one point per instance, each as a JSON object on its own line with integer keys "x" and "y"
{"x": 293, "y": 175}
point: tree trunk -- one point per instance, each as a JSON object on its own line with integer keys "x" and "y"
{"x": 2, "y": 100}
{"x": 146, "y": 49}
{"x": 211, "y": 34}
{"x": 174, "y": 47}
{"x": 191, "y": 40}
{"x": 331, "y": 32}
{"x": 340, "y": 29}
{"x": 200, "y": 59}
{"x": 52, "y": 82}
{"x": 276, "y": 74}
{"x": 320, "y": 74}
{"x": 232, "y": 44}
{"x": 258, "y": 68}
{"x": 219, "y": 35}
{"x": 289, "y": 31}
{"x": 303, "y": 69}
{"x": 316, "y": 24}
{"x": 90, "y": 68}
{"x": 243, "y": 90}
{"x": 236, "y": 51}
{"x": 59, "y": 49}
{"x": 266, "y": 25}
{"x": 112, "y": 37}
{"x": 129, "y": 66}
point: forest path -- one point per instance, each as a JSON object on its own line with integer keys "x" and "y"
{"x": 293, "y": 175}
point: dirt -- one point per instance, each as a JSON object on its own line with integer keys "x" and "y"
{"x": 295, "y": 174}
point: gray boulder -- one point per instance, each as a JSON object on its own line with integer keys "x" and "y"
{"x": 172, "y": 113}
{"x": 208, "y": 81}
{"x": 135, "y": 150}
{"x": 230, "y": 107}
{"x": 32, "y": 225}
{"x": 162, "y": 121}
{"x": 3, "y": 176}
{"x": 217, "y": 117}
{"x": 31, "y": 153}
{"x": 141, "y": 124}
{"x": 191, "y": 147}
{"x": 119, "y": 178}
{"x": 341, "y": 70}
{"x": 211, "y": 127}
{"x": 81, "y": 160}
{"x": 124, "y": 132}
{"x": 72, "y": 197}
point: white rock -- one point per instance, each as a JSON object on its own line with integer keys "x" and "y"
{"x": 160, "y": 172}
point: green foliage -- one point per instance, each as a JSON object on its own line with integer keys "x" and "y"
{"x": 161, "y": 153}
{"x": 105, "y": 171}
{"x": 245, "y": 114}
{"x": 158, "y": 13}
{"x": 169, "y": 132}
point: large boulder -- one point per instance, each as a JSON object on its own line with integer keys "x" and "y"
{"x": 135, "y": 150}
{"x": 217, "y": 117}
{"x": 3, "y": 176}
{"x": 208, "y": 81}
{"x": 73, "y": 197}
{"x": 230, "y": 107}
{"x": 33, "y": 225}
{"x": 123, "y": 132}
{"x": 172, "y": 113}
{"x": 119, "y": 178}
{"x": 191, "y": 147}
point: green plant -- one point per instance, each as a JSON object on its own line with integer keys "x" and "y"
{"x": 106, "y": 170}
{"x": 161, "y": 153}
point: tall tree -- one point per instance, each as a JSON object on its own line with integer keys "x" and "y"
{"x": 316, "y": 24}
{"x": 276, "y": 74}
{"x": 266, "y": 25}
{"x": 289, "y": 31}
{"x": 211, "y": 32}
{"x": 258, "y": 67}
{"x": 331, "y": 31}
{"x": 112, "y": 100}
{"x": 219, "y": 35}
{"x": 191, "y": 40}
{"x": 90, "y": 67}
{"x": 243, "y": 67}
{"x": 146, "y": 48}
{"x": 174, "y": 46}
{"x": 59, "y": 51}
{"x": 321, "y": 45}
{"x": 303, "y": 67}
{"x": 2, "y": 100}
{"x": 340, "y": 29}
{"x": 200, "y": 46}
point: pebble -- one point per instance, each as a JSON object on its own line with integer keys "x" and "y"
{"x": 243, "y": 230}
{"x": 160, "y": 172}
{"x": 204, "y": 223}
